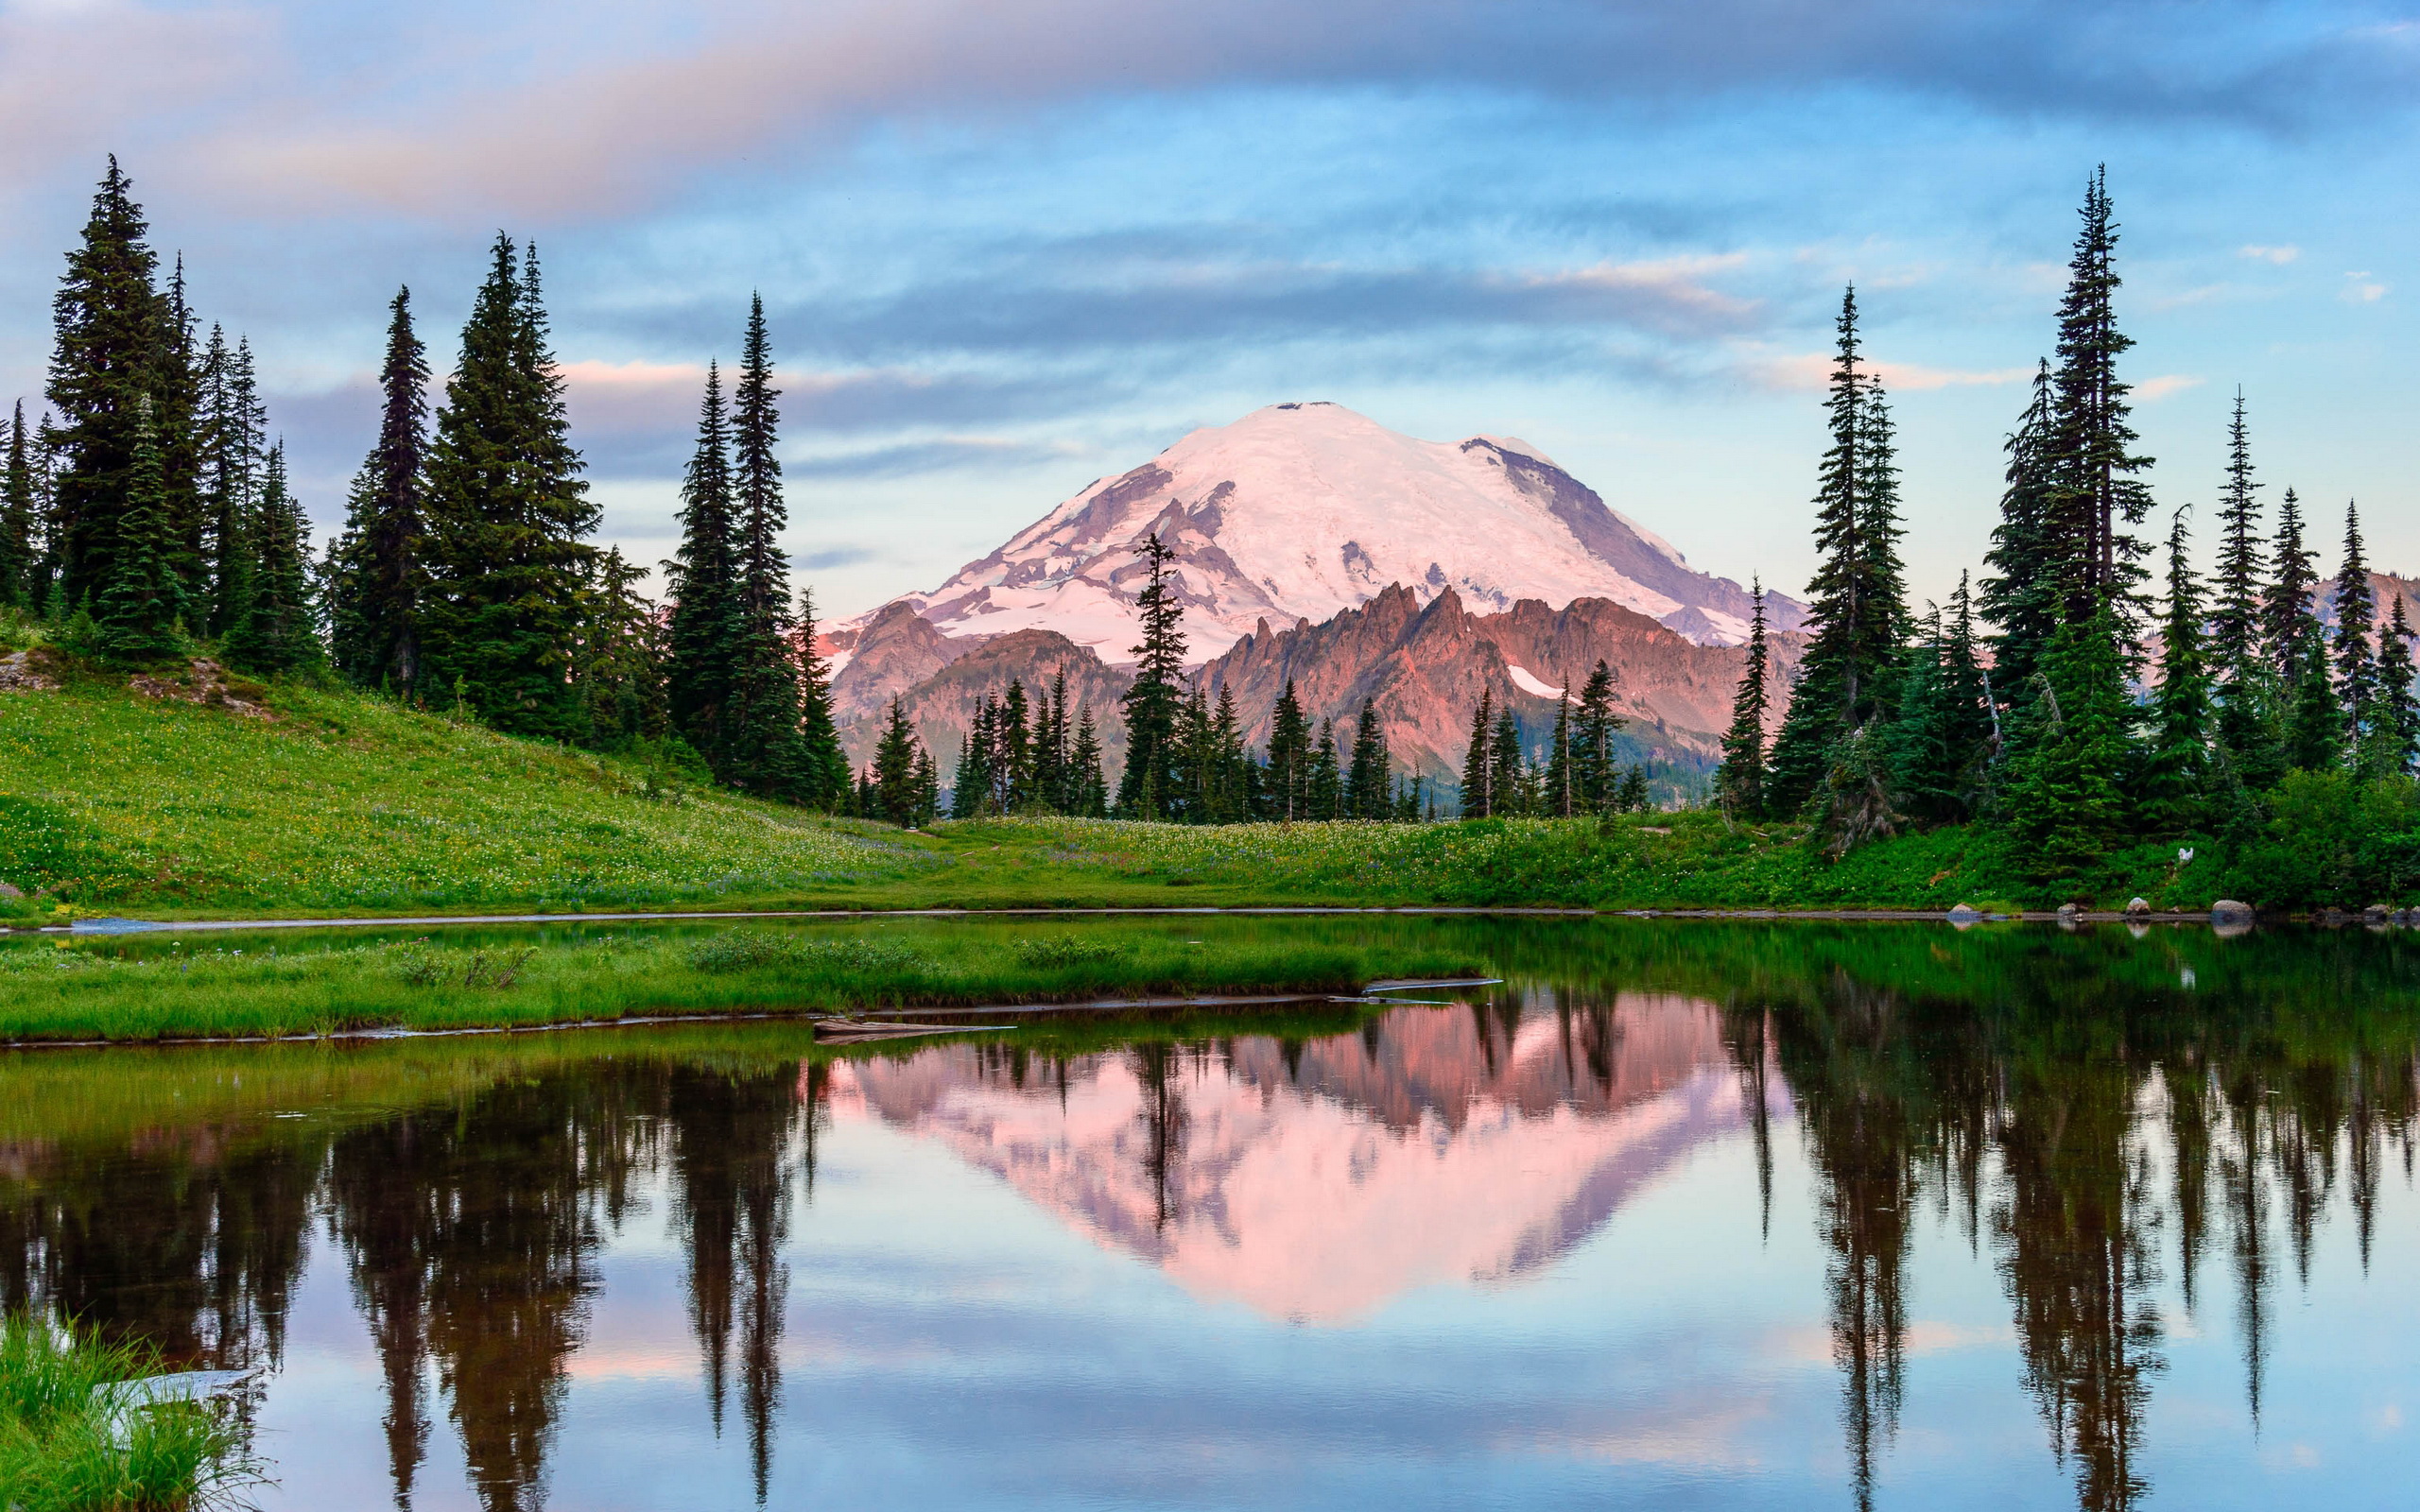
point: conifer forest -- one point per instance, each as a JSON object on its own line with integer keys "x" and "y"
{"x": 2086, "y": 699}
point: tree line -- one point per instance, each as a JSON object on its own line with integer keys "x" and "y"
{"x": 146, "y": 519}
{"x": 2064, "y": 700}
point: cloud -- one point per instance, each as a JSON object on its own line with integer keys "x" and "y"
{"x": 2279, "y": 255}
{"x": 2151, "y": 390}
{"x": 2362, "y": 288}
{"x": 1809, "y": 372}
{"x": 831, "y": 556}
{"x": 555, "y": 110}
{"x": 946, "y": 454}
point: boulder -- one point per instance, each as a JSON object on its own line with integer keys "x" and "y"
{"x": 2377, "y": 914}
{"x": 1965, "y": 914}
{"x": 8, "y": 892}
{"x": 2136, "y": 907}
{"x": 2228, "y": 911}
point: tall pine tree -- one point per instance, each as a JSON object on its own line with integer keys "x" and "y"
{"x": 2246, "y": 685}
{"x": 376, "y": 585}
{"x": 2095, "y": 487}
{"x": 2395, "y": 728}
{"x": 2356, "y": 619}
{"x": 1739, "y": 781}
{"x": 768, "y": 753}
{"x": 109, "y": 331}
{"x": 2176, "y": 777}
{"x": 1857, "y": 606}
{"x": 1593, "y": 726}
{"x": 136, "y": 619}
{"x": 277, "y": 632}
{"x": 1370, "y": 785}
{"x": 2023, "y": 595}
{"x": 1289, "y": 757}
{"x": 2288, "y": 622}
{"x": 20, "y": 548}
{"x": 825, "y": 766}
{"x": 1479, "y": 765}
{"x": 235, "y": 446}
{"x": 1148, "y": 788}
{"x": 507, "y": 514}
{"x": 702, "y": 579}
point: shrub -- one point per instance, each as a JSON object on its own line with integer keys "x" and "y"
{"x": 1044, "y": 951}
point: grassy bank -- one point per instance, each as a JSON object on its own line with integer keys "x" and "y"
{"x": 76, "y": 1435}
{"x": 154, "y": 989}
{"x": 343, "y": 804}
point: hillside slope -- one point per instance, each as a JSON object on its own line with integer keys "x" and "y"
{"x": 321, "y": 803}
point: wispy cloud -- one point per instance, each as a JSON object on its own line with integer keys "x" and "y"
{"x": 1808, "y": 372}
{"x": 2362, "y": 288}
{"x": 2151, "y": 390}
{"x": 2279, "y": 255}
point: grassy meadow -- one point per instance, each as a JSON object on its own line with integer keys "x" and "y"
{"x": 339, "y": 803}
{"x": 76, "y": 1435}
{"x": 143, "y": 989}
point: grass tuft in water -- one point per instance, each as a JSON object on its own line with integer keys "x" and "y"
{"x": 76, "y": 1436}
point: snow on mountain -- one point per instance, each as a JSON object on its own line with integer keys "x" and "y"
{"x": 1300, "y": 510}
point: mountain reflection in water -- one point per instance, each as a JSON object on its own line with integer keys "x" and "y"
{"x": 2122, "y": 1180}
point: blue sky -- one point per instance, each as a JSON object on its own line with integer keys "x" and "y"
{"x": 1007, "y": 248}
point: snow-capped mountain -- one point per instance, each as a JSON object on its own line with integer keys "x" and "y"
{"x": 1299, "y": 511}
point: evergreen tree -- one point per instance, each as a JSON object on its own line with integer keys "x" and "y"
{"x": 2066, "y": 805}
{"x": 1739, "y": 781}
{"x": 175, "y": 413}
{"x": 277, "y": 632}
{"x": 2394, "y": 727}
{"x": 706, "y": 626}
{"x": 1369, "y": 786}
{"x": 977, "y": 780}
{"x": 901, "y": 768}
{"x": 826, "y": 768}
{"x": 1592, "y": 742}
{"x": 1087, "y": 792}
{"x": 1478, "y": 777}
{"x": 1925, "y": 772}
{"x": 769, "y": 751}
{"x": 1148, "y": 789}
{"x": 1325, "y": 786}
{"x": 2175, "y": 790}
{"x": 2289, "y": 623}
{"x": 2246, "y": 724}
{"x": 1508, "y": 772}
{"x": 2315, "y": 721}
{"x": 376, "y": 588}
{"x": 109, "y": 329}
{"x": 1633, "y": 797}
{"x": 1012, "y": 751}
{"x": 2356, "y": 617}
{"x": 1850, "y": 671}
{"x": 1562, "y": 793}
{"x": 507, "y": 512}
{"x": 1050, "y": 746}
{"x": 1289, "y": 757}
{"x": 137, "y": 615}
{"x": 621, "y": 670}
{"x": 235, "y": 445}
{"x": 2024, "y": 598}
{"x": 20, "y": 551}
{"x": 2094, "y": 489}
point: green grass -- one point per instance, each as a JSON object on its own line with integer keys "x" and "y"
{"x": 73, "y": 1440}
{"x": 111, "y": 802}
{"x": 152, "y": 990}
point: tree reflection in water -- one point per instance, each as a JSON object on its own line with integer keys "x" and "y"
{"x": 2054, "y": 1102}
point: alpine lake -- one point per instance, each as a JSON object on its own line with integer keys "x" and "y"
{"x": 1676, "y": 1213}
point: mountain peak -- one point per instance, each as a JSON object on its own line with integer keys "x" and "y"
{"x": 1302, "y": 509}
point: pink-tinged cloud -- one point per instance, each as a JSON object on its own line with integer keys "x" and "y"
{"x": 1323, "y": 1192}
{"x": 1808, "y": 372}
{"x": 2151, "y": 390}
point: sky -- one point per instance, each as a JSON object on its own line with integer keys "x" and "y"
{"x": 1008, "y": 249}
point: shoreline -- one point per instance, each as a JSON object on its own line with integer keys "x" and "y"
{"x": 114, "y": 926}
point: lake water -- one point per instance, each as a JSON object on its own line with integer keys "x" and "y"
{"x": 1683, "y": 1214}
